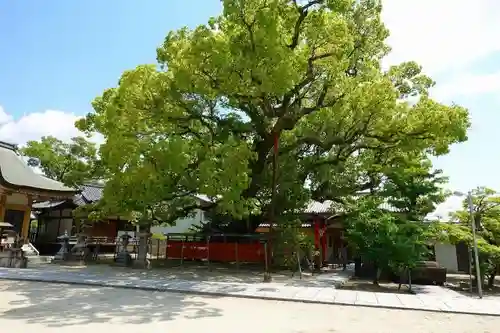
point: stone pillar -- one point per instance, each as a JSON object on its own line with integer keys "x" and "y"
{"x": 80, "y": 249}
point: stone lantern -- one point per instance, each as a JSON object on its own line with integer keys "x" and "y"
{"x": 80, "y": 249}
{"x": 123, "y": 258}
{"x": 64, "y": 251}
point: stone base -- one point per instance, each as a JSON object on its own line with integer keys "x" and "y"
{"x": 13, "y": 258}
{"x": 69, "y": 263}
{"x": 123, "y": 259}
{"x": 62, "y": 256}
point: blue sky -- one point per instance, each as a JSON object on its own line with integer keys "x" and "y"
{"x": 61, "y": 54}
{"x": 58, "y": 55}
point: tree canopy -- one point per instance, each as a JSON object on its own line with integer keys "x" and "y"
{"x": 412, "y": 186}
{"x": 204, "y": 119}
{"x": 72, "y": 162}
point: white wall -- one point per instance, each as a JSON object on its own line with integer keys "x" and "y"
{"x": 182, "y": 225}
{"x": 132, "y": 234}
{"x": 446, "y": 256}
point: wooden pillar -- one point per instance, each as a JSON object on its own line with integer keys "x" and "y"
{"x": 58, "y": 232}
{"x": 323, "y": 241}
{"x": 26, "y": 221}
{"x": 317, "y": 244}
{"x": 118, "y": 226}
{"x": 316, "y": 232}
{"x": 38, "y": 227}
{"x": 3, "y": 201}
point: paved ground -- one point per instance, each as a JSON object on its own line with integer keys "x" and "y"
{"x": 427, "y": 298}
{"x": 46, "y": 308}
{"x": 216, "y": 273}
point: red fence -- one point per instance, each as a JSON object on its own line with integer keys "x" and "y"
{"x": 222, "y": 252}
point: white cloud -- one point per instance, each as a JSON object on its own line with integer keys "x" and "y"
{"x": 35, "y": 125}
{"x": 4, "y": 117}
{"x": 444, "y": 35}
{"x": 468, "y": 85}
{"x": 449, "y": 38}
{"x": 443, "y": 210}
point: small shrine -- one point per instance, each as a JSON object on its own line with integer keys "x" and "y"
{"x": 20, "y": 187}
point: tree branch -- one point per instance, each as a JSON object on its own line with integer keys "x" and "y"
{"x": 303, "y": 11}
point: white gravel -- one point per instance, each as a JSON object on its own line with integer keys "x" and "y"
{"x": 41, "y": 307}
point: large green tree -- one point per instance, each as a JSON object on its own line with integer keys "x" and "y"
{"x": 307, "y": 73}
{"x": 72, "y": 162}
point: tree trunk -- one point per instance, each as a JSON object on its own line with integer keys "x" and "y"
{"x": 491, "y": 277}
{"x": 357, "y": 267}
{"x": 403, "y": 275}
{"x": 377, "y": 271}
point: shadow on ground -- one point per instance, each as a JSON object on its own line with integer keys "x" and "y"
{"x": 194, "y": 272}
{"x": 460, "y": 283}
{"x": 59, "y": 305}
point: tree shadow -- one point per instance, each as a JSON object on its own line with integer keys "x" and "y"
{"x": 198, "y": 272}
{"x": 60, "y": 305}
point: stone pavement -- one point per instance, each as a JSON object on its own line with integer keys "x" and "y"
{"x": 425, "y": 299}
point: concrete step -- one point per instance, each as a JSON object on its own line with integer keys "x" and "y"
{"x": 30, "y": 250}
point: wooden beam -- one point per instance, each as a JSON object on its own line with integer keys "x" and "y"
{"x": 51, "y": 218}
{"x": 3, "y": 201}
{"x": 26, "y": 221}
{"x": 59, "y": 223}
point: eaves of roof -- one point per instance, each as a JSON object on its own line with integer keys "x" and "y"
{"x": 16, "y": 174}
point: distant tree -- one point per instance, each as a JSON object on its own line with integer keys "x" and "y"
{"x": 386, "y": 227}
{"x": 412, "y": 187}
{"x": 71, "y": 163}
{"x": 486, "y": 212}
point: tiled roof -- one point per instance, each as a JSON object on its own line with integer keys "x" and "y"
{"x": 92, "y": 192}
{"x": 47, "y": 204}
{"x": 14, "y": 172}
{"x": 203, "y": 197}
{"x": 267, "y": 225}
{"x": 388, "y": 207}
{"x": 316, "y": 207}
{"x": 79, "y": 200}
